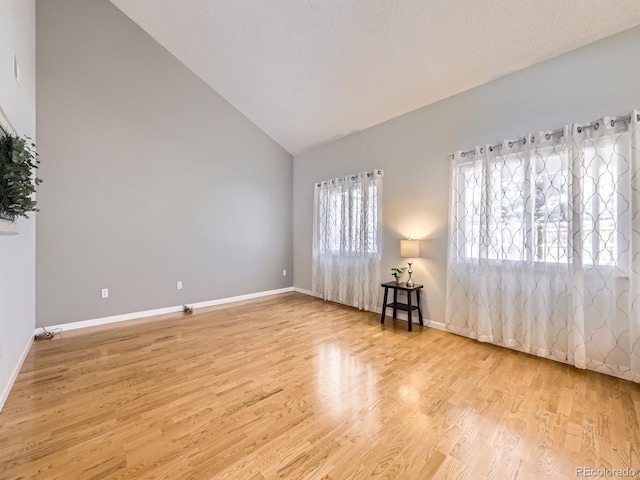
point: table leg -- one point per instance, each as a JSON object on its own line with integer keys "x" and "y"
{"x": 384, "y": 304}
{"x": 410, "y": 327}
{"x": 419, "y": 307}
{"x": 395, "y": 302}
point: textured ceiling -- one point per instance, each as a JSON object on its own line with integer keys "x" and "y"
{"x": 309, "y": 71}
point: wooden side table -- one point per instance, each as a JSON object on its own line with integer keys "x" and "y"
{"x": 407, "y": 307}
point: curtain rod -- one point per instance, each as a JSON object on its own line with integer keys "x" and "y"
{"x": 553, "y": 133}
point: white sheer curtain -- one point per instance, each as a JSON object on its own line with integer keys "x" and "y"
{"x": 544, "y": 250}
{"x": 347, "y": 218}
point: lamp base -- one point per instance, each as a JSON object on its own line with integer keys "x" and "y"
{"x": 410, "y": 282}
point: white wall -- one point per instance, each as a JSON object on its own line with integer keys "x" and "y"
{"x": 17, "y": 253}
{"x": 599, "y": 79}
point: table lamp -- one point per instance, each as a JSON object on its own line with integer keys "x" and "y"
{"x": 409, "y": 249}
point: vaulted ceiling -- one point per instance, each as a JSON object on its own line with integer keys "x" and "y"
{"x": 309, "y": 71}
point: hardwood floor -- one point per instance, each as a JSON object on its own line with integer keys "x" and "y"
{"x": 293, "y": 387}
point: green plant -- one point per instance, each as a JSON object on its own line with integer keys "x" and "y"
{"x": 398, "y": 272}
{"x": 18, "y": 161}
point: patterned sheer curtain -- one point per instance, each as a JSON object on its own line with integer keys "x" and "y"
{"x": 544, "y": 250}
{"x": 347, "y": 218}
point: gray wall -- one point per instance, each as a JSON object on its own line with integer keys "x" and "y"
{"x": 600, "y": 79}
{"x": 150, "y": 176}
{"x": 17, "y": 252}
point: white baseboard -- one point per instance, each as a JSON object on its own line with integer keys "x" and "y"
{"x": 240, "y": 298}
{"x": 414, "y": 319}
{"x": 159, "y": 311}
{"x": 302, "y": 290}
{"x": 14, "y": 374}
{"x": 210, "y": 303}
{"x": 400, "y": 315}
{"x": 437, "y": 326}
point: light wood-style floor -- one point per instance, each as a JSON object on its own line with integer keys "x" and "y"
{"x": 293, "y": 387}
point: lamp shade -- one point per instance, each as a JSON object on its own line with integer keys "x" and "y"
{"x": 409, "y": 248}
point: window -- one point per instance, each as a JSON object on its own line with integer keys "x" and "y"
{"x": 352, "y": 225}
{"x": 545, "y": 242}
{"x": 519, "y": 209}
{"x": 346, "y": 253}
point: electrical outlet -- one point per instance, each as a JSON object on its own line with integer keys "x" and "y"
{"x": 105, "y": 293}
{"x": 179, "y": 285}
{"x": 284, "y": 273}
